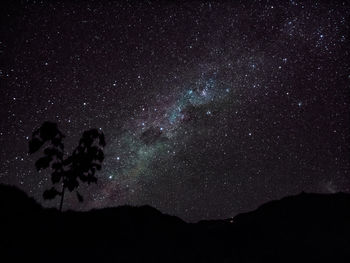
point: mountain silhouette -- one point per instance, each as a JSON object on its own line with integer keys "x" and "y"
{"x": 301, "y": 228}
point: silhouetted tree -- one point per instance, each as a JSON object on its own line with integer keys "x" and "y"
{"x": 68, "y": 171}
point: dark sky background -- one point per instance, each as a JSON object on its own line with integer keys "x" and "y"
{"x": 209, "y": 109}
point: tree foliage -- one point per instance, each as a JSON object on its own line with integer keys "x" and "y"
{"x": 68, "y": 171}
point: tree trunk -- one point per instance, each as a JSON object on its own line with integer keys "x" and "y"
{"x": 62, "y": 197}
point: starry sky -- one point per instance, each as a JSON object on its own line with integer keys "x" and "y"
{"x": 209, "y": 109}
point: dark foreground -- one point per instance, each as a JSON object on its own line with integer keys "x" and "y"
{"x": 303, "y": 228}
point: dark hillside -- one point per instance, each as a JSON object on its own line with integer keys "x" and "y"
{"x": 303, "y": 228}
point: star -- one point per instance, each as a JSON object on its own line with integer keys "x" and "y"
{"x": 196, "y": 111}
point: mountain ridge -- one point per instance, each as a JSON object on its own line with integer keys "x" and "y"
{"x": 304, "y": 228}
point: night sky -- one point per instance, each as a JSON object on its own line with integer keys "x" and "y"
{"x": 209, "y": 109}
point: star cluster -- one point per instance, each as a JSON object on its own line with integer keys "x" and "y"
{"x": 209, "y": 109}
